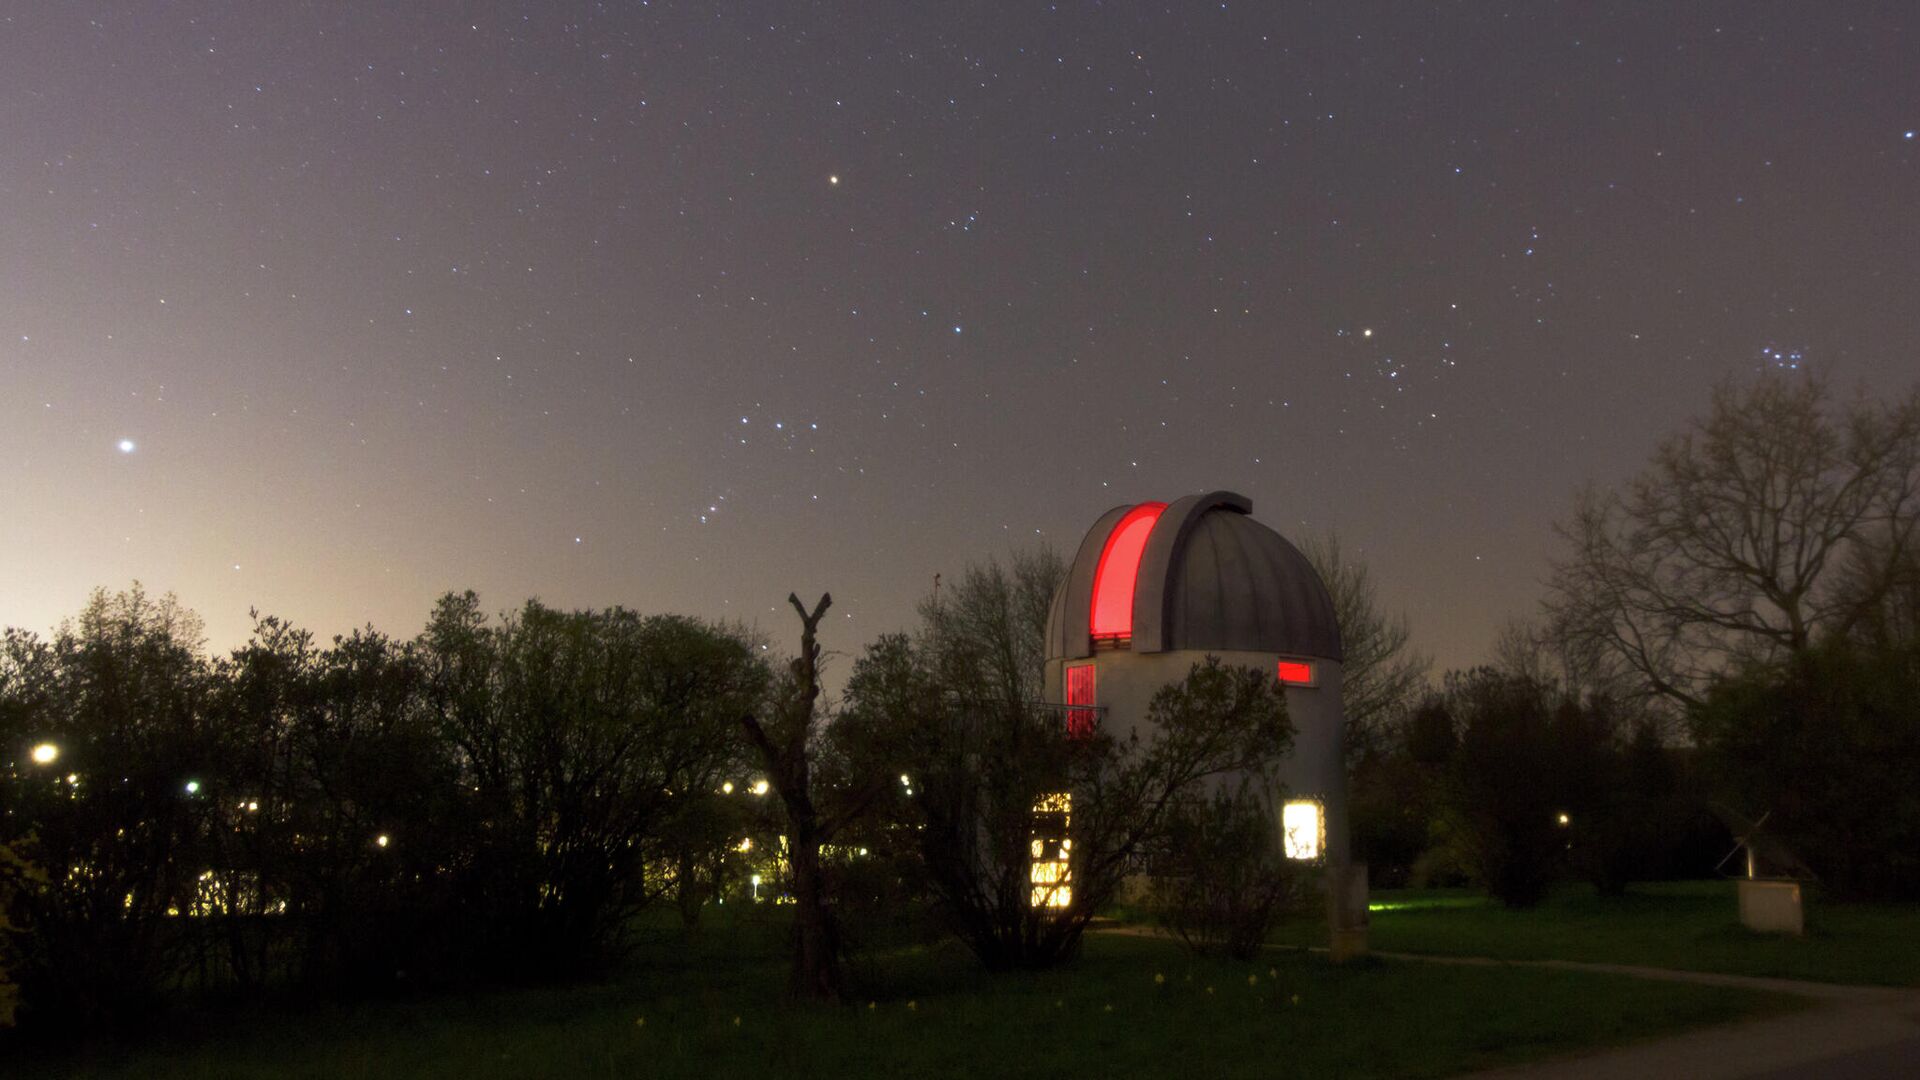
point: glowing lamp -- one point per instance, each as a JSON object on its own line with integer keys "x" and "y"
{"x": 46, "y": 754}
{"x": 1296, "y": 672}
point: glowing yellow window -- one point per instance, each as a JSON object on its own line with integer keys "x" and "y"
{"x": 1050, "y": 869}
{"x": 1303, "y": 829}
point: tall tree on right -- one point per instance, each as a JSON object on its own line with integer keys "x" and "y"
{"x": 1779, "y": 517}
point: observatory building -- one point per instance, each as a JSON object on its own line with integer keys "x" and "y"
{"x": 1158, "y": 587}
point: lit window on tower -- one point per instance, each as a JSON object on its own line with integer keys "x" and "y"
{"x": 1296, "y": 673}
{"x": 1080, "y": 701}
{"x": 1050, "y": 851}
{"x": 1303, "y": 829}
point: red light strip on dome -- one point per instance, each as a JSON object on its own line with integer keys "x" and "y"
{"x": 1296, "y": 672}
{"x": 1112, "y": 615}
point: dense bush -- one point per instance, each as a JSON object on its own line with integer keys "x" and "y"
{"x": 16, "y": 873}
{"x": 125, "y": 697}
{"x": 1499, "y": 793}
{"x": 1508, "y": 780}
{"x": 1828, "y": 748}
{"x": 1220, "y": 878}
{"x": 1393, "y": 795}
{"x": 493, "y": 799}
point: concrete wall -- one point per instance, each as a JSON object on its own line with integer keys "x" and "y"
{"x": 1125, "y": 682}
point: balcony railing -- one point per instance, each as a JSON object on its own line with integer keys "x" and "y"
{"x": 1078, "y": 721}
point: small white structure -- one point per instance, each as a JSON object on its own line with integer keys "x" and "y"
{"x": 1156, "y": 588}
{"x": 1772, "y": 906}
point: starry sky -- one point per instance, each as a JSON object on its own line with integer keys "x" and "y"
{"x": 326, "y": 308}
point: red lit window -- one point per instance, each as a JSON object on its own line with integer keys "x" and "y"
{"x": 1080, "y": 685}
{"x": 1113, "y": 578}
{"x": 1080, "y": 701}
{"x": 1296, "y": 673}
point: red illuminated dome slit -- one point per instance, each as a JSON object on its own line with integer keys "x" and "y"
{"x": 1113, "y": 578}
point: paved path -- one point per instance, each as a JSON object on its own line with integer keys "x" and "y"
{"x": 1854, "y": 1033}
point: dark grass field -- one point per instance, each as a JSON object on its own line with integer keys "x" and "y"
{"x": 1129, "y": 1007}
{"x": 1690, "y": 925}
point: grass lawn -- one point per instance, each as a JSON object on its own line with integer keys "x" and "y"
{"x": 1692, "y": 925}
{"x": 716, "y": 1011}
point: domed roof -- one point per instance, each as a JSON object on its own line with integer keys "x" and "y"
{"x": 1202, "y": 575}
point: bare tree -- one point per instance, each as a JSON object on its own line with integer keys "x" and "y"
{"x": 784, "y": 742}
{"x": 1381, "y": 675}
{"x": 1778, "y": 516}
{"x": 1539, "y": 651}
{"x": 987, "y": 634}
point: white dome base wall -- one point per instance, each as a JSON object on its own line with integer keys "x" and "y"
{"x": 1125, "y": 683}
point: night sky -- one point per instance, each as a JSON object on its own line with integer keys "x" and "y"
{"x": 324, "y": 309}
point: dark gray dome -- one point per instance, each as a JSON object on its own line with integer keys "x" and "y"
{"x": 1209, "y": 578}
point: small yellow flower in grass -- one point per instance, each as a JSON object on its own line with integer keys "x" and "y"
{"x": 1273, "y": 973}
{"x": 873, "y": 1005}
{"x": 1107, "y": 1008}
{"x": 1159, "y": 978}
{"x": 1209, "y": 989}
{"x": 640, "y": 1021}
{"x": 913, "y": 1005}
{"x": 1253, "y": 980}
{"x": 1294, "y": 1000}
{"x": 736, "y": 1021}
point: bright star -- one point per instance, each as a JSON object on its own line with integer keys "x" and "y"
{"x": 833, "y": 180}
{"x": 126, "y": 446}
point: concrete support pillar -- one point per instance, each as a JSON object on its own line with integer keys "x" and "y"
{"x": 1347, "y": 917}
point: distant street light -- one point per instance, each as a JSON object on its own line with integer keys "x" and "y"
{"x": 46, "y": 754}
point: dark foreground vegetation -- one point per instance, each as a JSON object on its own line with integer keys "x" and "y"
{"x": 497, "y": 800}
{"x": 1128, "y": 1007}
